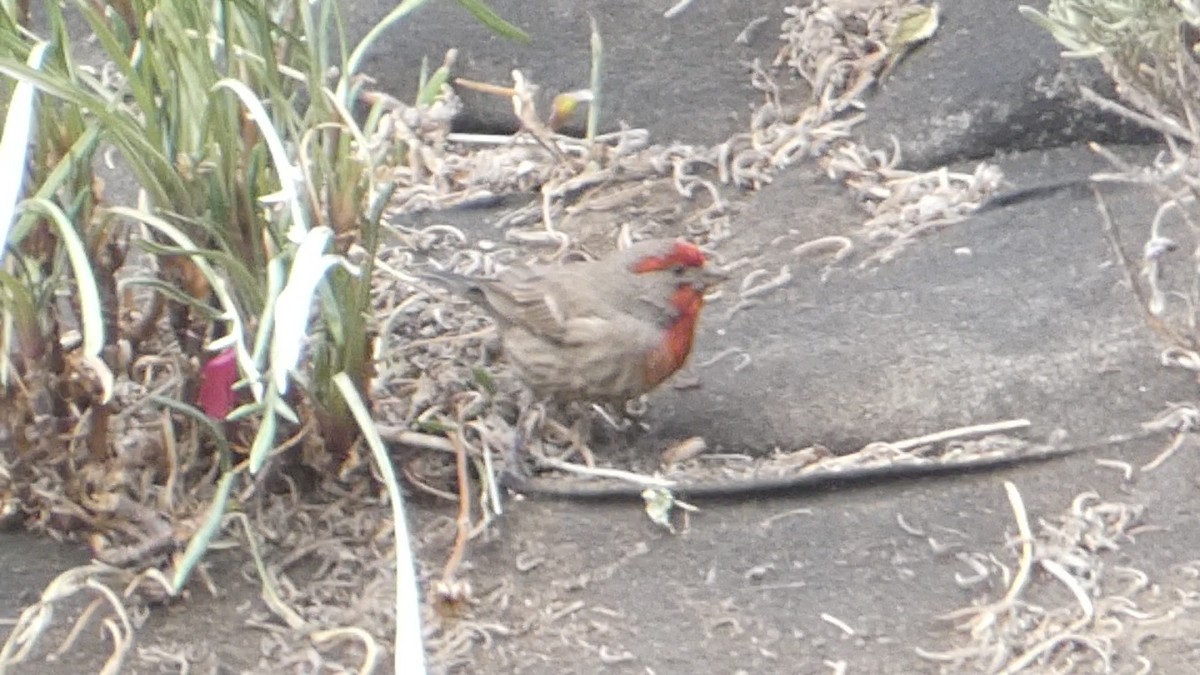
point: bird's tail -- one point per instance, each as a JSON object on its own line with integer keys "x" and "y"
{"x": 459, "y": 284}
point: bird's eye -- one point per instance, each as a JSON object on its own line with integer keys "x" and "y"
{"x": 678, "y": 270}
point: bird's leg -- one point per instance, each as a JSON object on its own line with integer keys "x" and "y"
{"x": 622, "y": 420}
{"x": 529, "y": 425}
{"x": 581, "y": 433}
{"x": 576, "y": 436}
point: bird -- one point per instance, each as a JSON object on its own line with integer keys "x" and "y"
{"x": 599, "y": 331}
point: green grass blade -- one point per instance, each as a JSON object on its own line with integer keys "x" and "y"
{"x": 91, "y": 318}
{"x": 206, "y": 423}
{"x": 360, "y": 51}
{"x": 409, "y": 650}
{"x": 431, "y": 89}
{"x": 593, "y": 116}
{"x": 19, "y": 129}
{"x": 91, "y": 312}
{"x": 264, "y": 439}
{"x": 291, "y": 178}
{"x": 173, "y": 292}
{"x": 241, "y": 277}
{"x": 236, "y": 327}
{"x": 154, "y": 171}
{"x": 292, "y": 308}
{"x": 198, "y": 545}
{"x": 114, "y": 51}
{"x": 492, "y": 20}
{"x": 66, "y": 168}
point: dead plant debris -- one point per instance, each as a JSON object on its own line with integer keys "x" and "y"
{"x": 1103, "y": 622}
{"x": 322, "y": 550}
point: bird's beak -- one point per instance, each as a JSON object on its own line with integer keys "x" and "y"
{"x": 711, "y": 276}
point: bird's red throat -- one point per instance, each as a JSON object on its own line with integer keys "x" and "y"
{"x": 676, "y": 345}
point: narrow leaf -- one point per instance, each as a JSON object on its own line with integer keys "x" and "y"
{"x": 14, "y": 145}
{"x": 492, "y": 20}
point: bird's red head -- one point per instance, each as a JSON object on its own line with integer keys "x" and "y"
{"x": 681, "y": 268}
{"x": 681, "y": 255}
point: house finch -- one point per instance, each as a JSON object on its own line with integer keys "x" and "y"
{"x": 606, "y": 330}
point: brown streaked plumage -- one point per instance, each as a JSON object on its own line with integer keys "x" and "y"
{"x": 606, "y": 330}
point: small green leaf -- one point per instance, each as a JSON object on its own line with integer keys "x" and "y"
{"x": 659, "y": 504}
{"x": 434, "y": 426}
{"x": 917, "y": 23}
{"x": 484, "y": 379}
{"x": 433, "y": 88}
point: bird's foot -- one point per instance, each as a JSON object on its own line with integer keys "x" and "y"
{"x": 529, "y": 425}
{"x": 516, "y": 469}
{"x": 575, "y": 438}
{"x": 581, "y": 432}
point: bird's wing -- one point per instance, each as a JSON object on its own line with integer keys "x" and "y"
{"x": 619, "y": 334}
{"x": 530, "y": 299}
{"x": 563, "y": 307}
